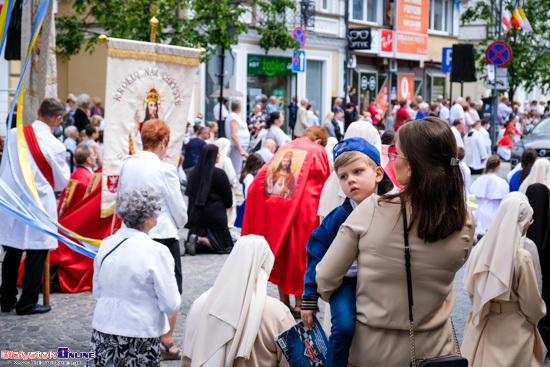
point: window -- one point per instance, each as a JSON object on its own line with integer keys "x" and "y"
{"x": 325, "y": 5}
{"x": 364, "y": 10}
{"x": 314, "y": 85}
{"x": 441, "y": 15}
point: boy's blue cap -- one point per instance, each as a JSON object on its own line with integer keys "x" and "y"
{"x": 360, "y": 145}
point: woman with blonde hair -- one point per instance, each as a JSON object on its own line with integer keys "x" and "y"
{"x": 500, "y": 277}
{"x": 327, "y": 124}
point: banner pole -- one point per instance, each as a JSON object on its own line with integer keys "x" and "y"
{"x": 46, "y": 281}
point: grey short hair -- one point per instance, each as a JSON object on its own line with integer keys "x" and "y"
{"x": 135, "y": 207}
{"x": 69, "y": 130}
{"x": 82, "y": 99}
{"x": 235, "y": 105}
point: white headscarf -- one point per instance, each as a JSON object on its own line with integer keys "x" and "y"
{"x": 490, "y": 268}
{"x": 332, "y": 195}
{"x": 223, "y": 322}
{"x": 224, "y": 162}
{"x": 540, "y": 173}
{"x": 331, "y": 142}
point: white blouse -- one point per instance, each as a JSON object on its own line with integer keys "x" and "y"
{"x": 145, "y": 169}
{"x": 135, "y": 287}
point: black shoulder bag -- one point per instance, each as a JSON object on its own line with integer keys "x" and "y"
{"x": 449, "y": 360}
{"x": 114, "y": 248}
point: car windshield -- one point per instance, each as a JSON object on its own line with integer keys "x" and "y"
{"x": 543, "y": 127}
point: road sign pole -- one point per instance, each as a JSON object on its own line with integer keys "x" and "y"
{"x": 494, "y": 115}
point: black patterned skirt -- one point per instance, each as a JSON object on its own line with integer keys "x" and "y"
{"x": 117, "y": 351}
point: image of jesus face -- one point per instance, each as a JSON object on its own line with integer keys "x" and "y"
{"x": 285, "y": 163}
{"x": 152, "y": 109}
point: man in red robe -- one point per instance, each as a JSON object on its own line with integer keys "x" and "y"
{"x": 282, "y": 204}
{"x": 76, "y": 188}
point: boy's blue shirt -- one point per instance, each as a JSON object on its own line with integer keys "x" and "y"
{"x": 317, "y": 246}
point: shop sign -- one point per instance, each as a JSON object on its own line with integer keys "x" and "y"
{"x": 411, "y": 37}
{"x": 269, "y": 65}
{"x": 386, "y": 43}
{"x": 405, "y": 85}
{"x": 360, "y": 38}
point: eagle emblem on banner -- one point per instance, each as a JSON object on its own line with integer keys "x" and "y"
{"x": 112, "y": 183}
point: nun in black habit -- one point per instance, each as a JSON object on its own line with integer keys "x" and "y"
{"x": 209, "y": 193}
{"x": 539, "y": 232}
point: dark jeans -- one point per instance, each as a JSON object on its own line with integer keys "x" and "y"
{"x": 32, "y": 276}
{"x": 174, "y": 246}
{"x": 343, "y": 310}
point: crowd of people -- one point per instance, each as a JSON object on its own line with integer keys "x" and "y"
{"x": 330, "y": 209}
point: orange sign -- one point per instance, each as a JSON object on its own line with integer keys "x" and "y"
{"x": 411, "y": 37}
{"x": 405, "y": 85}
{"x": 382, "y": 100}
{"x": 412, "y": 16}
{"x": 414, "y": 44}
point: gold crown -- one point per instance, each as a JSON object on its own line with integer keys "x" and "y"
{"x": 152, "y": 96}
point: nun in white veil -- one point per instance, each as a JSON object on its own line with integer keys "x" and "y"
{"x": 540, "y": 173}
{"x": 506, "y": 303}
{"x": 332, "y": 195}
{"x": 224, "y": 163}
{"x": 235, "y": 323}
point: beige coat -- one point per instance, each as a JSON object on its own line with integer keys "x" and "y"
{"x": 373, "y": 234}
{"x": 276, "y": 318}
{"x": 302, "y": 122}
{"x": 508, "y": 336}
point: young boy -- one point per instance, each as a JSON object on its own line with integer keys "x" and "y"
{"x": 357, "y": 164}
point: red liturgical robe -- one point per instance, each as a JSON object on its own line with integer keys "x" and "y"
{"x": 75, "y": 190}
{"x": 282, "y": 205}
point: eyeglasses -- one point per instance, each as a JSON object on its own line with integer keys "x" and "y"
{"x": 392, "y": 153}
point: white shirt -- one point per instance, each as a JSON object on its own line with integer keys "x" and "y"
{"x": 277, "y": 134}
{"x": 504, "y": 111}
{"x": 246, "y": 184}
{"x": 243, "y": 134}
{"x": 265, "y": 154}
{"x": 14, "y": 233}
{"x": 476, "y": 153}
{"x": 456, "y": 113}
{"x": 486, "y": 139}
{"x": 70, "y": 144}
{"x": 135, "y": 287}
{"x": 488, "y": 189}
{"x": 458, "y": 137}
{"x": 145, "y": 169}
{"x": 444, "y": 114}
{"x": 467, "y": 176}
{"x": 216, "y": 112}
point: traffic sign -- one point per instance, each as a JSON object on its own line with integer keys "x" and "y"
{"x": 447, "y": 60}
{"x": 499, "y": 54}
{"x": 300, "y": 36}
{"x": 299, "y": 61}
{"x": 501, "y": 78}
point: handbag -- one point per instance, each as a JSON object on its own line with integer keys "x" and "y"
{"x": 450, "y": 360}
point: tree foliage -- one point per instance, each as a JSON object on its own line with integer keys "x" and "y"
{"x": 530, "y": 62}
{"x": 211, "y": 24}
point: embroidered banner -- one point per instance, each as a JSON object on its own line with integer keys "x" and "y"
{"x": 144, "y": 81}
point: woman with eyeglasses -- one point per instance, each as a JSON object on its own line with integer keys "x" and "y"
{"x": 506, "y": 302}
{"x": 439, "y": 230}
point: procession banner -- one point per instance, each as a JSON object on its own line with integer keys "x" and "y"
{"x": 144, "y": 81}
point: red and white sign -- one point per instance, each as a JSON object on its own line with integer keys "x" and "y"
{"x": 411, "y": 37}
{"x": 405, "y": 86}
{"x": 386, "y": 43}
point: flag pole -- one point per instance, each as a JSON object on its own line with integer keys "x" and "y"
{"x": 153, "y": 22}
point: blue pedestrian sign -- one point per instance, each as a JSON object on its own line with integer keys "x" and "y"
{"x": 299, "y": 61}
{"x": 447, "y": 60}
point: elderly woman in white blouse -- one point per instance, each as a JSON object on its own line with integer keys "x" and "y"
{"x": 134, "y": 286}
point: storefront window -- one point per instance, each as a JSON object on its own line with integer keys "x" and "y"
{"x": 314, "y": 85}
{"x": 435, "y": 86}
{"x": 367, "y": 83}
{"x": 270, "y": 76}
{"x": 440, "y": 15}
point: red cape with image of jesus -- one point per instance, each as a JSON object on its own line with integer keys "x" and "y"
{"x": 282, "y": 204}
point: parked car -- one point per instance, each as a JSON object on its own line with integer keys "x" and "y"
{"x": 538, "y": 139}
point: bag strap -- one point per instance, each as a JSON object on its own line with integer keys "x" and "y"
{"x": 114, "y": 248}
{"x": 410, "y": 292}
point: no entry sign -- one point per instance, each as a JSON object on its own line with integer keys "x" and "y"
{"x": 499, "y": 54}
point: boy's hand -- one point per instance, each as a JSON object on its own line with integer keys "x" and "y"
{"x": 307, "y": 318}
